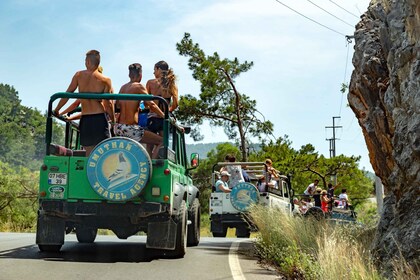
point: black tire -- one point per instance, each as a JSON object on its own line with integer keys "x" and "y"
{"x": 243, "y": 232}
{"x": 49, "y": 233}
{"x": 193, "y": 236}
{"x": 220, "y": 234}
{"x": 49, "y": 248}
{"x": 86, "y": 234}
{"x": 316, "y": 213}
{"x": 181, "y": 234}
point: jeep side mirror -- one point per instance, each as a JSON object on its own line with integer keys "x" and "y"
{"x": 195, "y": 159}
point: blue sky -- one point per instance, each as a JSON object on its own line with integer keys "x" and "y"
{"x": 298, "y": 70}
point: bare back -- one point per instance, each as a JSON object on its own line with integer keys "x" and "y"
{"x": 154, "y": 87}
{"x": 129, "y": 108}
{"x": 91, "y": 82}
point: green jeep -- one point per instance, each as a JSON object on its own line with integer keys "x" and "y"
{"x": 118, "y": 187}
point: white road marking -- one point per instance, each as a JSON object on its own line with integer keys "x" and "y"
{"x": 235, "y": 266}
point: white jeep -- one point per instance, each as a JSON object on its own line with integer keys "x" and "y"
{"x": 229, "y": 210}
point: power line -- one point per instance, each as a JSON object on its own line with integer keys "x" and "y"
{"x": 310, "y": 18}
{"x": 344, "y": 9}
{"x": 330, "y": 13}
{"x": 345, "y": 74}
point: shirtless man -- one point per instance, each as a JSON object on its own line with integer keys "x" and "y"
{"x": 127, "y": 123}
{"x": 94, "y": 126}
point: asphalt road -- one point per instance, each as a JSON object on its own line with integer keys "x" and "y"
{"x": 110, "y": 258}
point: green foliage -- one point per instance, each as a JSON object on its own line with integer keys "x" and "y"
{"x": 344, "y": 87}
{"x": 306, "y": 165}
{"x": 22, "y": 138}
{"x": 22, "y": 131}
{"x": 367, "y": 213}
{"x": 220, "y": 102}
{"x": 18, "y": 197}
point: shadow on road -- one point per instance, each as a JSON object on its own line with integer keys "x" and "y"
{"x": 99, "y": 252}
{"x": 106, "y": 252}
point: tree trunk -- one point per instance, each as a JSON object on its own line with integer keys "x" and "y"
{"x": 384, "y": 95}
{"x": 239, "y": 121}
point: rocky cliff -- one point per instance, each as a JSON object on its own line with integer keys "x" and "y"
{"x": 385, "y": 96}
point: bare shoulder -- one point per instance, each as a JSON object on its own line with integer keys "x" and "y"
{"x": 151, "y": 82}
{"x": 127, "y": 88}
{"x": 105, "y": 78}
{"x": 140, "y": 88}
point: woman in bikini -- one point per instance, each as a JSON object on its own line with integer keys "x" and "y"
{"x": 163, "y": 85}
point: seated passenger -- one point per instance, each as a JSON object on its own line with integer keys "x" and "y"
{"x": 222, "y": 185}
{"x": 299, "y": 207}
{"x": 127, "y": 125}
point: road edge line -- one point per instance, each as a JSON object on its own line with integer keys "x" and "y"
{"x": 235, "y": 266}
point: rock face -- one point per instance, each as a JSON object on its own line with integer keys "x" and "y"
{"x": 385, "y": 96}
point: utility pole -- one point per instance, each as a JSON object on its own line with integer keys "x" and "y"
{"x": 332, "y": 140}
{"x": 332, "y": 144}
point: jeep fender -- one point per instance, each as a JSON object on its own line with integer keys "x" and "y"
{"x": 193, "y": 193}
{"x": 180, "y": 194}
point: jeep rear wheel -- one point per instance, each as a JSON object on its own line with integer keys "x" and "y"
{"x": 193, "y": 237}
{"x": 49, "y": 233}
{"x": 243, "y": 232}
{"x": 220, "y": 234}
{"x": 86, "y": 234}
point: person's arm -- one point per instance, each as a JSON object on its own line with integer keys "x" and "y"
{"x": 174, "y": 104}
{"x": 154, "y": 108}
{"x": 72, "y": 87}
{"x": 108, "y": 103}
{"x": 221, "y": 187}
{"x": 73, "y": 106}
{"x": 75, "y": 117}
{"x": 274, "y": 172}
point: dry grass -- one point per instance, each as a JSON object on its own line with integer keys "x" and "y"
{"x": 309, "y": 249}
{"x": 403, "y": 270}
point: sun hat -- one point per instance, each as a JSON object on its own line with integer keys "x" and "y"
{"x": 224, "y": 173}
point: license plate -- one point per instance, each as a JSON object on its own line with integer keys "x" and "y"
{"x": 57, "y": 178}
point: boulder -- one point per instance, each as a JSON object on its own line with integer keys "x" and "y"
{"x": 384, "y": 94}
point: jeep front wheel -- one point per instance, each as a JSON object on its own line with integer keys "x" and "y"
{"x": 181, "y": 234}
{"x": 193, "y": 237}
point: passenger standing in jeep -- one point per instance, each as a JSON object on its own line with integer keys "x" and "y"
{"x": 94, "y": 126}
{"x": 128, "y": 121}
